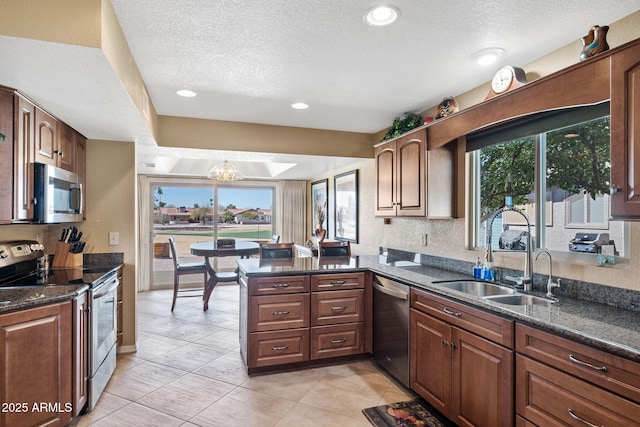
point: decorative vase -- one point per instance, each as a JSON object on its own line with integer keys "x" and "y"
{"x": 595, "y": 42}
{"x": 320, "y": 233}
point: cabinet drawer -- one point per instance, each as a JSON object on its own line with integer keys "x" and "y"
{"x": 329, "y": 308}
{"x": 337, "y": 340}
{"x": 608, "y": 371}
{"x": 325, "y": 282}
{"x": 272, "y": 312}
{"x": 278, "y": 285}
{"x": 278, "y": 347}
{"x": 548, "y": 397}
{"x": 487, "y": 325}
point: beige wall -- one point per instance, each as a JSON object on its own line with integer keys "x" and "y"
{"x": 111, "y": 206}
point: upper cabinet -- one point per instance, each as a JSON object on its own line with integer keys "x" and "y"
{"x": 415, "y": 180}
{"x": 400, "y": 175}
{"x": 32, "y": 135}
{"x": 625, "y": 133}
{"x": 6, "y": 155}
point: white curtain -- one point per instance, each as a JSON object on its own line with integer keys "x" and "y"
{"x": 292, "y": 211}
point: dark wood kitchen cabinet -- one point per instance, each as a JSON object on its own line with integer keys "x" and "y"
{"x": 36, "y": 366}
{"x": 338, "y": 314}
{"x": 80, "y": 353}
{"x": 303, "y": 319}
{"x": 400, "y": 175}
{"x": 46, "y": 138}
{"x": 23, "y": 191}
{"x": 559, "y": 382}
{"x": 461, "y": 361}
{"x": 6, "y": 156}
{"x": 625, "y": 132}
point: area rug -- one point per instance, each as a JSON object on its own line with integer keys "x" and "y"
{"x": 403, "y": 414}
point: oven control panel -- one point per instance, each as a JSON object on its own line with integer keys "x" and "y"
{"x": 15, "y": 251}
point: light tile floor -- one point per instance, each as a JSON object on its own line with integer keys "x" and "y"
{"x": 188, "y": 372}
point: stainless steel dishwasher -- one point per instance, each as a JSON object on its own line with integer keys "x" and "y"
{"x": 391, "y": 327}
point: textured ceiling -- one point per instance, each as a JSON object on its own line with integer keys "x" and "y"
{"x": 250, "y": 59}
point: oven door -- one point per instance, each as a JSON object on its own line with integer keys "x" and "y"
{"x": 103, "y": 321}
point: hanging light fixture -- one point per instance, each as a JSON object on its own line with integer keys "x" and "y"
{"x": 225, "y": 172}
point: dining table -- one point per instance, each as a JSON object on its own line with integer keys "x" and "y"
{"x": 208, "y": 250}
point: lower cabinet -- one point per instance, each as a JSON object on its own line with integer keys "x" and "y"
{"x": 305, "y": 318}
{"x": 561, "y": 382}
{"x": 466, "y": 376}
{"x": 36, "y": 366}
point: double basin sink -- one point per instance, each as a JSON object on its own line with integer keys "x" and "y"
{"x": 492, "y": 292}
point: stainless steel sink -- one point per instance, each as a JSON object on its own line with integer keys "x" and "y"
{"x": 477, "y": 288}
{"x": 519, "y": 299}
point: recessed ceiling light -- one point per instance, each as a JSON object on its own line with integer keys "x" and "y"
{"x": 299, "y": 106}
{"x": 487, "y": 56}
{"x": 381, "y": 15}
{"x": 186, "y": 93}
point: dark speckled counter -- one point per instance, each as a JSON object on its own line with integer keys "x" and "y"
{"x": 608, "y": 328}
{"x": 59, "y": 284}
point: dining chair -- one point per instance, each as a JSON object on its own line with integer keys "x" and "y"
{"x": 181, "y": 269}
{"x": 275, "y": 238}
{"x": 276, "y": 250}
{"x": 340, "y": 248}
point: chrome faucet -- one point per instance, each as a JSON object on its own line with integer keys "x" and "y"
{"x": 550, "y": 283}
{"x": 526, "y": 279}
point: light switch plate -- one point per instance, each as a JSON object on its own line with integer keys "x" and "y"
{"x": 114, "y": 238}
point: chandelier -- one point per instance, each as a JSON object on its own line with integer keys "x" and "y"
{"x": 225, "y": 172}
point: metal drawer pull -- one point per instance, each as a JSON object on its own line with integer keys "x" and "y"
{"x": 338, "y": 282}
{"x": 343, "y": 308}
{"x": 587, "y": 365}
{"x": 280, "y": 285}
{"x": 577, "y": 418}
{"x": 457, "y": 313}
{"x": 343, "y": 340}
{"x": 280, "y": 313}
{"x": 284, "y": 347}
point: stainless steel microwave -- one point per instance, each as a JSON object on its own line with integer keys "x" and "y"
{"x": 58, "y": 195}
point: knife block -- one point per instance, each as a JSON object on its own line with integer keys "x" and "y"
{"x": 65, "y": 259}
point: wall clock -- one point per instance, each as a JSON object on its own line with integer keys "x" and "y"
{"x": 506, "y": 79}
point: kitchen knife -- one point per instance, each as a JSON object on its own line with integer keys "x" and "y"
{"x": 79, "y": 236}
{"x": 63, "y": 235}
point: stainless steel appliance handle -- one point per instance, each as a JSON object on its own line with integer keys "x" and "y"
{"x": 111, "y": 285}
{"x": 388, "y": 291}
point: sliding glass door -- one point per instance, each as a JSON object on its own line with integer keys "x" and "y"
{"x": 198, "y": 211}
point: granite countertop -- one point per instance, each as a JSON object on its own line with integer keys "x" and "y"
{"x": 608, "y": 328}
{"x": 57, "y": 285}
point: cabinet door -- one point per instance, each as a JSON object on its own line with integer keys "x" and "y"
{"x": 24, "y": 157}
{"x": 385, "y": 194}
{"x": 625, "y": 133}
{"x": 548, "y": 397}
{"x": 6, "y": 156}
{"x": 410, "y": 164}
{"x": 430, "y": 360}
{"x": 35, "y": 366}
{"x": 66, "y": 148}
{"x": 45, "y": 138}
{"x": 482, "y": 381}
{"x": 80, "y": 352}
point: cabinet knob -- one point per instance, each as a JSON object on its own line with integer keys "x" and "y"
{"x": 445, "y": 344}
{"x": 614, "y": 189}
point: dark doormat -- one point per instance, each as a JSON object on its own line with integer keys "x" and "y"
{"x": 405, "y": 414}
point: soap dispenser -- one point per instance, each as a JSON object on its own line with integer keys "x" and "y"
{"x": 477, "y": 269}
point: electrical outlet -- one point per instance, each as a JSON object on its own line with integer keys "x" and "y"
{"x": 114, "y": 238}
{"x": 425, "y": 239}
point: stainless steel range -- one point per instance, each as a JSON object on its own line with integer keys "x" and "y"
{"x": 21, "y": 264}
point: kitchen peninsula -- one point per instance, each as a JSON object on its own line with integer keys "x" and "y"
{"x": 279, "y": 310}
